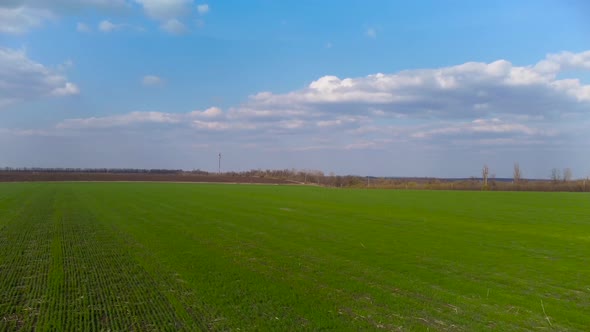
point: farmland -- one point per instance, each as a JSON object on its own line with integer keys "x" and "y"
{"x": 169, "y": 257}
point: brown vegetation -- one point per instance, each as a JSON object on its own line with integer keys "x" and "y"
{"x": 308, "y": 177}
{"x": 173, "y": 177}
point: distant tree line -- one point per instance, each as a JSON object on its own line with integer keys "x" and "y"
{"x": 90, "y": 170}
{"x": 488, "y": 181}
{"x": 559, "y": 180}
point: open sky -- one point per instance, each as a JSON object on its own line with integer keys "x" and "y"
{"x": 393, "y": 88}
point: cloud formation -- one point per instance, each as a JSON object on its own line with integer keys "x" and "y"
{"x": 203, "y": 9}
{"x": 107, "y": 26}
{"x": 139, "y": 118}
{"x": 470, "y": 90}
{"x": 496, "y": 103}
{"x": 82, "y": 27}
{"x": 170, "y": 13}
{"x": 152, "y": 80}
{"x": 64, "y": 5}
{"x": 24, "y": 79}
{"x": 20, "y": 16}
{"x": 19, "y": 20}
{"x": 475, "y": 108}
{"x": 164, "y": 10}
{"x": 174, "y": 27}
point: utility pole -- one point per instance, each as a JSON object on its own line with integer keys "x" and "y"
{"x": 219, "y": 171}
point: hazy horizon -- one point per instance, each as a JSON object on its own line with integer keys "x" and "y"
{"x": 421, "y": 89}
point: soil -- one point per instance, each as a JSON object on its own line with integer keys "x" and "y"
{"x": 181, "y": 177}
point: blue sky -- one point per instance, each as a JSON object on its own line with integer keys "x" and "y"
{"x": 421, "y": 88}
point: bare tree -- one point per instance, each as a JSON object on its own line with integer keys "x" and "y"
{"x": 567, "y": 174}
{"x": 517, "y": 174}
{"x": 485, "y": 172}
{"x": 555, "y": 175}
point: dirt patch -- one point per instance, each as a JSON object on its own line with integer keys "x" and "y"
{"x": 182, "y": 177}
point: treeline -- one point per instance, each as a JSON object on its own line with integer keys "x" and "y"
{"x": 478, "y": 184}
{"x": 91, "y": 170}
{"x": 316, "y": 177}
{"x": 486, "y": 182}
{"x": 558, "y": 181}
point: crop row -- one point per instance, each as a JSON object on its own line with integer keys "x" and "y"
{"x": 62, "y": 270}
{"x": 25, "y": 254}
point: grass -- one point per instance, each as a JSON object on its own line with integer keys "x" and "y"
{"x": 169, "y": 257}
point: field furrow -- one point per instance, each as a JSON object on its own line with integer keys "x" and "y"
{"x": 179, "y": 257}
{"x": 25, "y": 258}
{"x": 99, "y": 284}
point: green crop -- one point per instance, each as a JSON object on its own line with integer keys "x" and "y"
{"x": 172, "y": 257}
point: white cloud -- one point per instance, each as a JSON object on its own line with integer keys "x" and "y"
{"x": 82, "y": 27}
{"x": 210, "y": 125}
{"x": 168, "y": 13}
{"x": 30, "y": 132}
{"x": 474, "y": 105}
{"x": 132, "y": 118}
{"x": 371, "y": 33}
{"x": 67, "y": 90}
{"x": 77, "y": 4}
{"x": 458, "y": 112}
{"x": 481, "y": 126}
{"x": 564, "y": 61}
{"x": 165, "y": 10}
{"x": 469, "y": 90}
{"x": 291, "y": 124}
{"x": 107, "y": 4}
{"x": 211, "y": 116}
{"x": 19, "y": 20}
{"x": 152, "y": 80}
{"x": 212, "y": 112}
{"x": 70, "y": 5}
{"x": 203, "y": 9}
{"x": 107, "y": 26}
{"x": 362, "y": 145}
{"x": 24, "y": 79}
{"x": 174, "y": 27}
{"x": 19, "y": 16}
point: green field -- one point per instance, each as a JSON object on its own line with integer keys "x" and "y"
{"x": 169, "y": 257}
